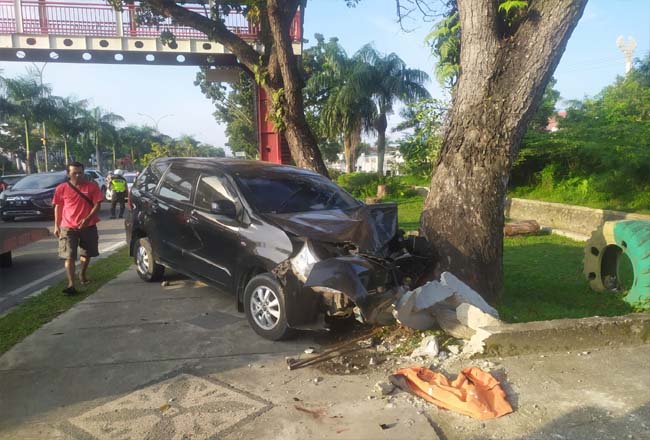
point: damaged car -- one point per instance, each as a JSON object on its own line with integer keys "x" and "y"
{"x": 296, "y": 250}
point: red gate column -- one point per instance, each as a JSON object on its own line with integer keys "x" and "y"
{"x": 272, "y": 144}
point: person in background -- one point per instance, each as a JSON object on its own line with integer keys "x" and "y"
{"x": 76, "y": 204}
{"x": 119, "y": 188}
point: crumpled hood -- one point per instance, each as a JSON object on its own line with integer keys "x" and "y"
{"x": 369, "y": 227}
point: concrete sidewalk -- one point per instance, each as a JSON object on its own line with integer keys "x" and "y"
{"x": 137, "y": 360}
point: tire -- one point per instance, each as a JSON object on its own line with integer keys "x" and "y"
{"x": 145, "y": 261}
{"x": 265, "y": 309}
{"x": 7, "y": 218}
{"x": 629, "y": 237}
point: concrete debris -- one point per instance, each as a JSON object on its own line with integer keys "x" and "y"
{"x": 384, "y": 388}
{"x": 309, "y": 350}
{"x": 475, "y": 318}
{"x": 465, "y": 294}
{"x": 317, "y": 380}
{"x": 429, "y": 294}
{"x": 453, "y": 349}
{"x": 406, "y": 313}
{"x": 428, "y": 348}
{"x": 453, "y": 306}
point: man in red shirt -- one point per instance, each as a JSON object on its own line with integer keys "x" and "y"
{"x": 76, "y": 203}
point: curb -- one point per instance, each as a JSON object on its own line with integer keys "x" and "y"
{"x": 567, "y": 335}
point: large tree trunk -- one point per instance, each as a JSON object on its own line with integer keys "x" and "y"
{"x": 302, "y": 143}
{"x": 381, "y": 124}
{"x": 502, "y": 81}
{"x": 279, "y": 61}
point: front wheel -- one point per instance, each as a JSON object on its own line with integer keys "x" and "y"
{"x": 145, "y": 262}
{"x": 265, "y": 308}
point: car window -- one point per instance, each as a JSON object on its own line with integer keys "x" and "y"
{"x": 294, "y": 192}
{"x": 177, "y": 184}
{"x": 211, "y": 189}
{"x": 148, "y": 180}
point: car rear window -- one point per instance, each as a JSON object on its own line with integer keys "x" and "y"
{"x": 177, "y": 184}
{"x": 293, "y": 192}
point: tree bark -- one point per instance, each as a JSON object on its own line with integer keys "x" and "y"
{"x": 381, "y": 124}
{"x": 350, "y": 142}
{"x": 503, "y": 76}
{"x": 279, "y": 62}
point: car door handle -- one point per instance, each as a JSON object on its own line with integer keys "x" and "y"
{"x": 192, "y": 219}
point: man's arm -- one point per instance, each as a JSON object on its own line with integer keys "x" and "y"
{"x": 92, "y": 213}
{"x": 57, "y": 220}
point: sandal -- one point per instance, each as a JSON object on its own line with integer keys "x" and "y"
{"x": 70, "y": 291}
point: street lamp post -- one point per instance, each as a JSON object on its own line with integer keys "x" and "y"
{"x": 154, "y": 120}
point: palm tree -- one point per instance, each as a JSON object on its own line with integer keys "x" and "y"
{"x": 26, "y": 100}
{"x": 67, "y": 121}
{"x": 102, "y": 124}
{"x": 389, "y": 81}
{"x": 346, "y": 106}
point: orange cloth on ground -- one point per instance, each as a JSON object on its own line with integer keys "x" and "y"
{"x": 474, "y": 392}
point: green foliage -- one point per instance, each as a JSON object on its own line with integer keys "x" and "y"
{"x": 234, "y": 106}
{"x": 420, "y": 149}
{"x": 364, "y": 185}
{"x": 598, "y": 157}
{"x": 444, "y": 41}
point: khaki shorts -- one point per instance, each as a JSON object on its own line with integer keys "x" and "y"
{"x": 70, "y": 239}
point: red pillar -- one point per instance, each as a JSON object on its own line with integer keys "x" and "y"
{"x": 273, "y": 146}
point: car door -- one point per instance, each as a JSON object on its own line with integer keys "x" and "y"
{"x": 172, "y": 204}
{"x": 215, "y": 245}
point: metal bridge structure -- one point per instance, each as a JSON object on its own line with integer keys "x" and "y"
{"x": 92, "y": 32}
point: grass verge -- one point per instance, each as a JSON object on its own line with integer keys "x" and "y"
{"x": 544, "y": 280}
{"x": 408, "y": 212}
{"x": 37, "y": 311}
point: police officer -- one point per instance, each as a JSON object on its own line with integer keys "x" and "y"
{"x": 119, "y": 188}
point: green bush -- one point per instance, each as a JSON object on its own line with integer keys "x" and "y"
{"x": 364, "y": 185}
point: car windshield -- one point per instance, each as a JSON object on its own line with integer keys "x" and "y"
{"x": 10, "y": 179}
{"x": 39, "y": 181}
{"x": 276, "y": 193}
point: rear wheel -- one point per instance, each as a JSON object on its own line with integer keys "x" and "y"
{"x": 265, "y": 308}
{"x": 145, "y": 262}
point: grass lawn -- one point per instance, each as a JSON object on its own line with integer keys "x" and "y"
{"x": 544, "y": 280}
{"x": 408, "y": 212}
{"x": 543, "y": 276}
{"x": 37, "y": 311}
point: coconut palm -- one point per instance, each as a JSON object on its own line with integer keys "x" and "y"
{"x": 102, "y": 125}
{"x": 67, "y": 121}
{"x": 346, "y": 107}
{"x": 389, "y": 81}
{"x": 24, "y": 99}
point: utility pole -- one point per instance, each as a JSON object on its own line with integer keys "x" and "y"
{"x": 44, "y": 134}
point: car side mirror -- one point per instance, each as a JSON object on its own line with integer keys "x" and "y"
{"x": 224, "y": 207}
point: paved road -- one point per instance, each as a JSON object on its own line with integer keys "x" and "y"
{"x": 37, "y": 265}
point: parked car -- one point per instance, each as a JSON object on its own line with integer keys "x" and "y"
{"x": 7, "y": 181}
{"x": 130, "y": 178}
{"x": 98, "y": 177}
{"x": 31, "y": 196}
{"x": 295, "y": 249}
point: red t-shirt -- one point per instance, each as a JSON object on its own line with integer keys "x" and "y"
{"x": 74, "y": 207}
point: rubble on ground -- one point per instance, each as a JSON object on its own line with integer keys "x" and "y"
{"x": 451, "y": 305}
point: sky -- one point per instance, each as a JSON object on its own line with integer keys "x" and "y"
{"x": 166, "y": 95}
